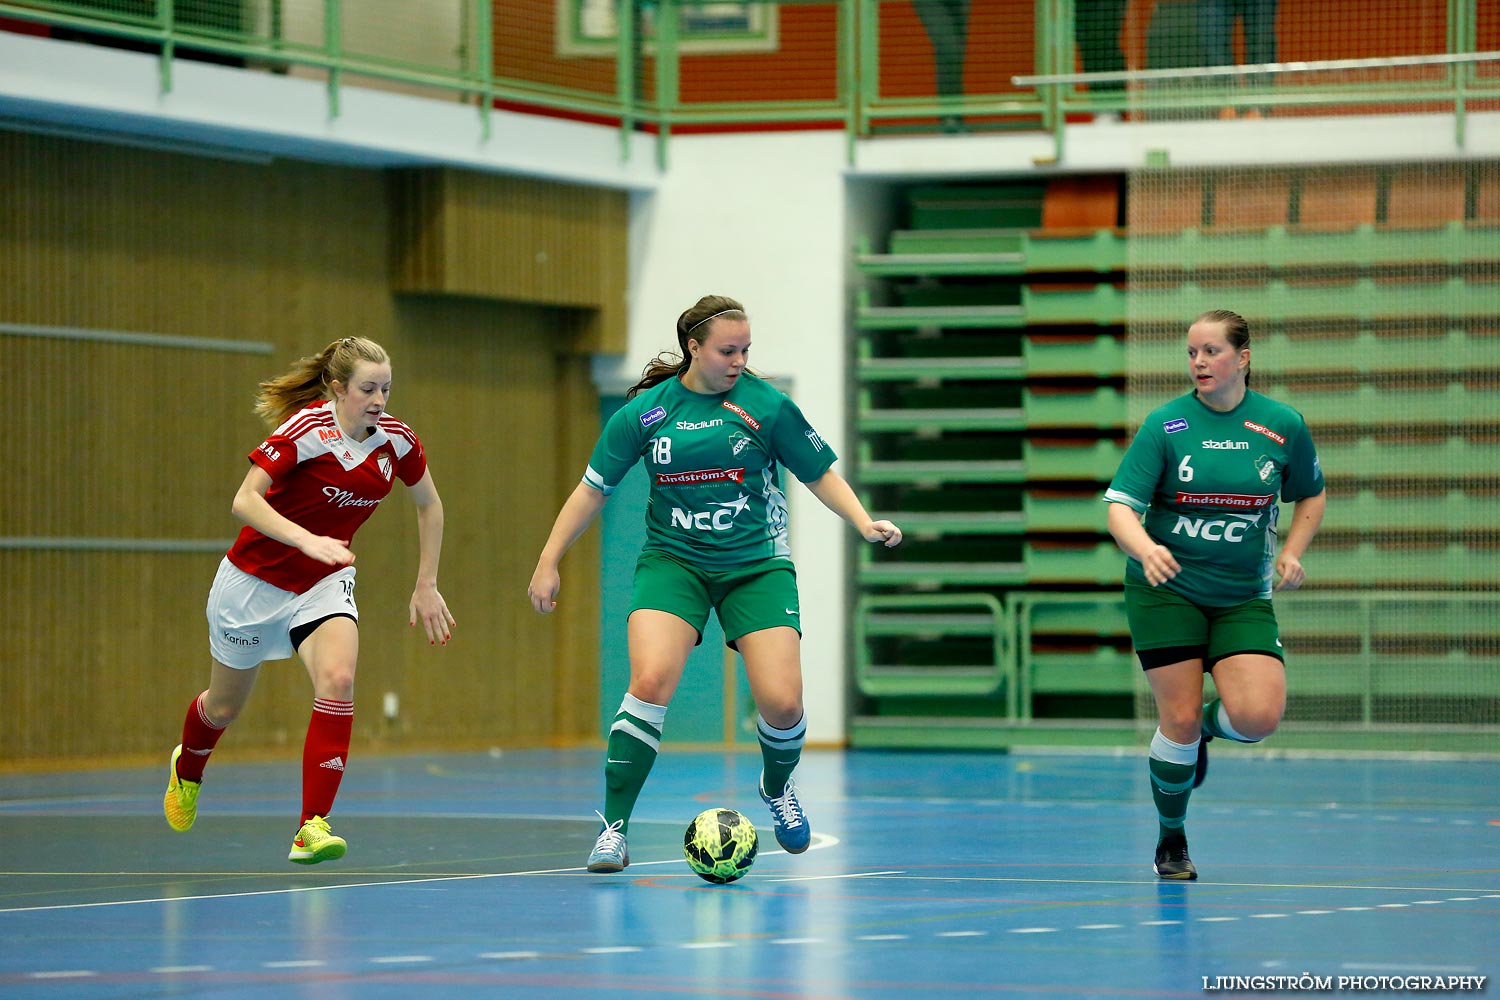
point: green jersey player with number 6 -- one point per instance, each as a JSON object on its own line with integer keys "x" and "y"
{"x": 714, "y": 437}
{"x": 1193, "y": 506}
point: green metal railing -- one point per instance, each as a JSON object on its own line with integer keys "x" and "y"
{"x": 645, "y": 90}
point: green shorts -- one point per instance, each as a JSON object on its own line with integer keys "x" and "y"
{"x": 746, "y": 598}
{"x": 1168, "y": 628}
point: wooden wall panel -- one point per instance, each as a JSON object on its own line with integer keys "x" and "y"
{"x": 104, "y": 650}
{"x": 515, "y": 239}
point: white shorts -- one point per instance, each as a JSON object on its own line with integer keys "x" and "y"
{"x": 250, "y": 621}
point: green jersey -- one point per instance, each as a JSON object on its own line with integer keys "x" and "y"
{"x": 1208, "y": 482}
{"x": 713, "y": 461}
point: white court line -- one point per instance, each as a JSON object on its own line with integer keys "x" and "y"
{"x": 63, "y": 974}
{"x": 816, "y": 878}
{"x": 1215, "y": 885}
{"x": 820, "y": 841}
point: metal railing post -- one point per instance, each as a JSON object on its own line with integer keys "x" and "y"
{"x": 846, "y": 21}
{"x": 667, "y": 75}
{"x": 627, "y": 68}
{"x": 484, "y": 27}
{"x": 333, "y": 42}
{"x": 167, "y": 15}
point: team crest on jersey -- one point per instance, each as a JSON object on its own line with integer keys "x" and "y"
{"x": 1173, "y": 426}
{"x": 1266, "y": 468}
{"x": 738, "y": 442}
{"x": 384, "y": 463}
{"x": 653, "y": 416}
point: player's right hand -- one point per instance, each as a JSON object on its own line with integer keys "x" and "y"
{"x": 545, "y": 583}
{"x": 1159, "y": 565}
{"x": 332, "y": 551}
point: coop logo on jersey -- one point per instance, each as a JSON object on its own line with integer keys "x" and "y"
{"x": 327, "y": 434}
{"x": 814, "y": 440}
{"x": 698, "y": 476}
{"x": 653, "y": 416}
{"x": 384, "y": 464}
{"x": 1173, "y": 426}
{"x": 1250, "y": 501}
{"x": 1257, "y": 428}
{"x": 699, "y": 425}
{"x": 344, "y": 498}
{"x": 1227, "y": 445}
{"x": 710, "y": 520}
{"x": 750, "y": 421}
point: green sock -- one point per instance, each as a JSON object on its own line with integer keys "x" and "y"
{"x": 634, "y": 740}
{"x": 1171, "y": 781}
{"x": 1216, "y": 724}
{"x": 780, "y": 752}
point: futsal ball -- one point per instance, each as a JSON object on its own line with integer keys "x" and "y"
{"x": 720, "y": 845}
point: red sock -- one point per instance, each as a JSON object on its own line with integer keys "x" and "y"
{"x": 323, "y": 755}
{"x": 199, "y": 737}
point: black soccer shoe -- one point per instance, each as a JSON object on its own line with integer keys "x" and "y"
{"x": 1200, "y": 769}
{"x": 1172, "y": 861}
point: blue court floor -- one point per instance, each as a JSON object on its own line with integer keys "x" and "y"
{"x": 931, "y": 875}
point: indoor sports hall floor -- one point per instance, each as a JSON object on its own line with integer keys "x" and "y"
{"x": 932, "y": 875}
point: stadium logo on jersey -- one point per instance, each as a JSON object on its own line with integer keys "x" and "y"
{"x": 698, "y": 476}
{"x": 327, "y": 434}
{"x": 1252, "y": 501}
{"x": 814, "y": 440}
{"x": 699, "y": 425}
{"x": 703, "y": 520}
{"x": 344, "y": 498}
{"x": 750, "y": 421}
{"x": 1257, "y": 428}
{"x": 384, "y": 463}
{"x": 1227, "y": 445}
{"x": 1173, "y": 426}
{"x": 653, "y": 416}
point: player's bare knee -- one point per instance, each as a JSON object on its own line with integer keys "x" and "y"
{"x": 221, "y": 713}
{"x": 782, "y": 713}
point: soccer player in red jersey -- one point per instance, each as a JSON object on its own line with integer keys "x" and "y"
{"x": 287, "y": 583}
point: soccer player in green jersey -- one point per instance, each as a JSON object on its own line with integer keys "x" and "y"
{"x": 714, "y": 437}
{"x": 1193, "y": 506}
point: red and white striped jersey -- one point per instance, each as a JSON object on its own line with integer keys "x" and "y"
{"x": 327, "y": 483}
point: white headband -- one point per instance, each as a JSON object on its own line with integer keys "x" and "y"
{"x": 714, "y": 316}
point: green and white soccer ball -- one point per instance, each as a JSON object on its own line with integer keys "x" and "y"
{"x": 720, "y": 845}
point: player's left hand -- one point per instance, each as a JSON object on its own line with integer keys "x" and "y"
{"x": 884, "y": 532}
{"x": 428, "y": 607}
{"x": 1289, "y": 568}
